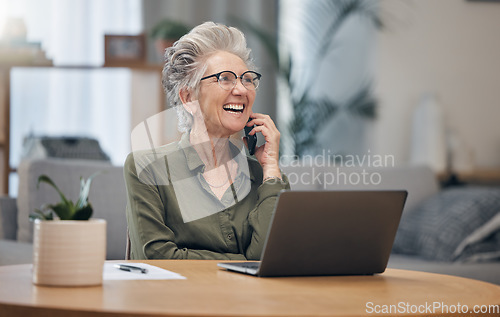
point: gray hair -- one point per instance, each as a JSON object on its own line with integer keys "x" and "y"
{"x": 185, "y": 61}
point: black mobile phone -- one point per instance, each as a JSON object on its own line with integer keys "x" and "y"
{"x": 251, "y": 139}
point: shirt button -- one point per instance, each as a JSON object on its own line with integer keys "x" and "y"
{"x": 229, "y": 236}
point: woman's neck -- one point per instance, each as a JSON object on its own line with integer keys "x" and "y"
{"x": 213, "y": 151}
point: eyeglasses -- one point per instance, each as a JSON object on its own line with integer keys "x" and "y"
{"x": 227, "y": 79}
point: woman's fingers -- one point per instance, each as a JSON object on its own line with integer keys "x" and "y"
{"x": 270, "y": 133}
{"x": 261, "y": 119}
{"x": 268, "y": 153}
{"x": 263, "y": 124}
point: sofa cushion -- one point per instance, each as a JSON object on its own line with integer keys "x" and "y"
{"x": 437, "y": 228}
{"x": 484, "y": 271}
{"x": 8, "y": 218}
{"x": 107, "y": 195}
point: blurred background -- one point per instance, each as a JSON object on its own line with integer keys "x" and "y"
{"x": 414, "y": 80}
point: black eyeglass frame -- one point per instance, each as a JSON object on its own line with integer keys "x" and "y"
{"x": 217, "y": 75}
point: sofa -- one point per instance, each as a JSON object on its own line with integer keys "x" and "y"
{"x": 108, "y": 196}
{"x": 436, "y": 221}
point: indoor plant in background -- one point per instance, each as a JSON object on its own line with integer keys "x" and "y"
{"x": 166, "y": 32}
{"x": 69, "y": 247}
{"x": 311, "y": 113}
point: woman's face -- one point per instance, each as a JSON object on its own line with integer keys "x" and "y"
{"x": 221, "y": 108}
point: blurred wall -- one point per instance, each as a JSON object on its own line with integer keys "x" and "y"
{"x": 194, "y": 12}
{"x": 451, "y": 48}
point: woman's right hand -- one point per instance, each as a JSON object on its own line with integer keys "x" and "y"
{"x": 268, "y": 153}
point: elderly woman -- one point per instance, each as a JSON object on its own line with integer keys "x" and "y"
{"x": 203, "y": 197}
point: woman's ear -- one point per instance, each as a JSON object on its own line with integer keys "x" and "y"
{"x": 186, "y": 97}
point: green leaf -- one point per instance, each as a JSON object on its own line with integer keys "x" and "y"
{"x": 66, "y": 209}
{"x": 308, "y": 119}
{"x": 41, "y": 215}
{"x": 169, "y": 29}
{"x": 45, "y": 179}
{"x": 84, "y": 190}
{"x": 83, "y": 213}
{"x": 362, "y": 103}
{"x": 33, "y": 217}
{"x": 63, "y": 211}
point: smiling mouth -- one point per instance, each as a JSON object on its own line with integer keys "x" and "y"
{"x": 234, "y": 108}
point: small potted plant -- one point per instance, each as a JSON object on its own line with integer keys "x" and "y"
{"x": 166, "y": 33}
{"x": 69, "y": 247}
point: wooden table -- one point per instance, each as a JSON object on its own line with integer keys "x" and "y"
{"x": 210, "y": 291}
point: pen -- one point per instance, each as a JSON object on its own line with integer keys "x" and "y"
{"x": 131, "y": 268}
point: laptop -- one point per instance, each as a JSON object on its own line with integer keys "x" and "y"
{"x": 328, "y": 233}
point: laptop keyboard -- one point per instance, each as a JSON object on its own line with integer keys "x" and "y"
{"x": 250, "y": 265}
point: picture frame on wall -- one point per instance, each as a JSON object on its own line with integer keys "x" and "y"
{"x": 125, "y": 50}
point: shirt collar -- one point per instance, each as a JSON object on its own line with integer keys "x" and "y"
{"x": 192, "y": 158}
{"x": 194, "y": 161}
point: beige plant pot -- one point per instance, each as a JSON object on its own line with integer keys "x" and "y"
{"x": 69, "y": 253}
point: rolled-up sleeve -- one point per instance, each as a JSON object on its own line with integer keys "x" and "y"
{"x": 260, "y": 217}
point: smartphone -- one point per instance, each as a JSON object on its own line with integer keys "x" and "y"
{"x": 251, "y": 139}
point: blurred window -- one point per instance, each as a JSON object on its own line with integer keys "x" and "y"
{"x": 84, "y": 101}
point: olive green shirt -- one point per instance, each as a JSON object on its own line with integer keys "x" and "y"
{"x": 173, "y": 214}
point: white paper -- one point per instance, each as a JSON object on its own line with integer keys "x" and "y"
{"x": 111, "y": 272}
